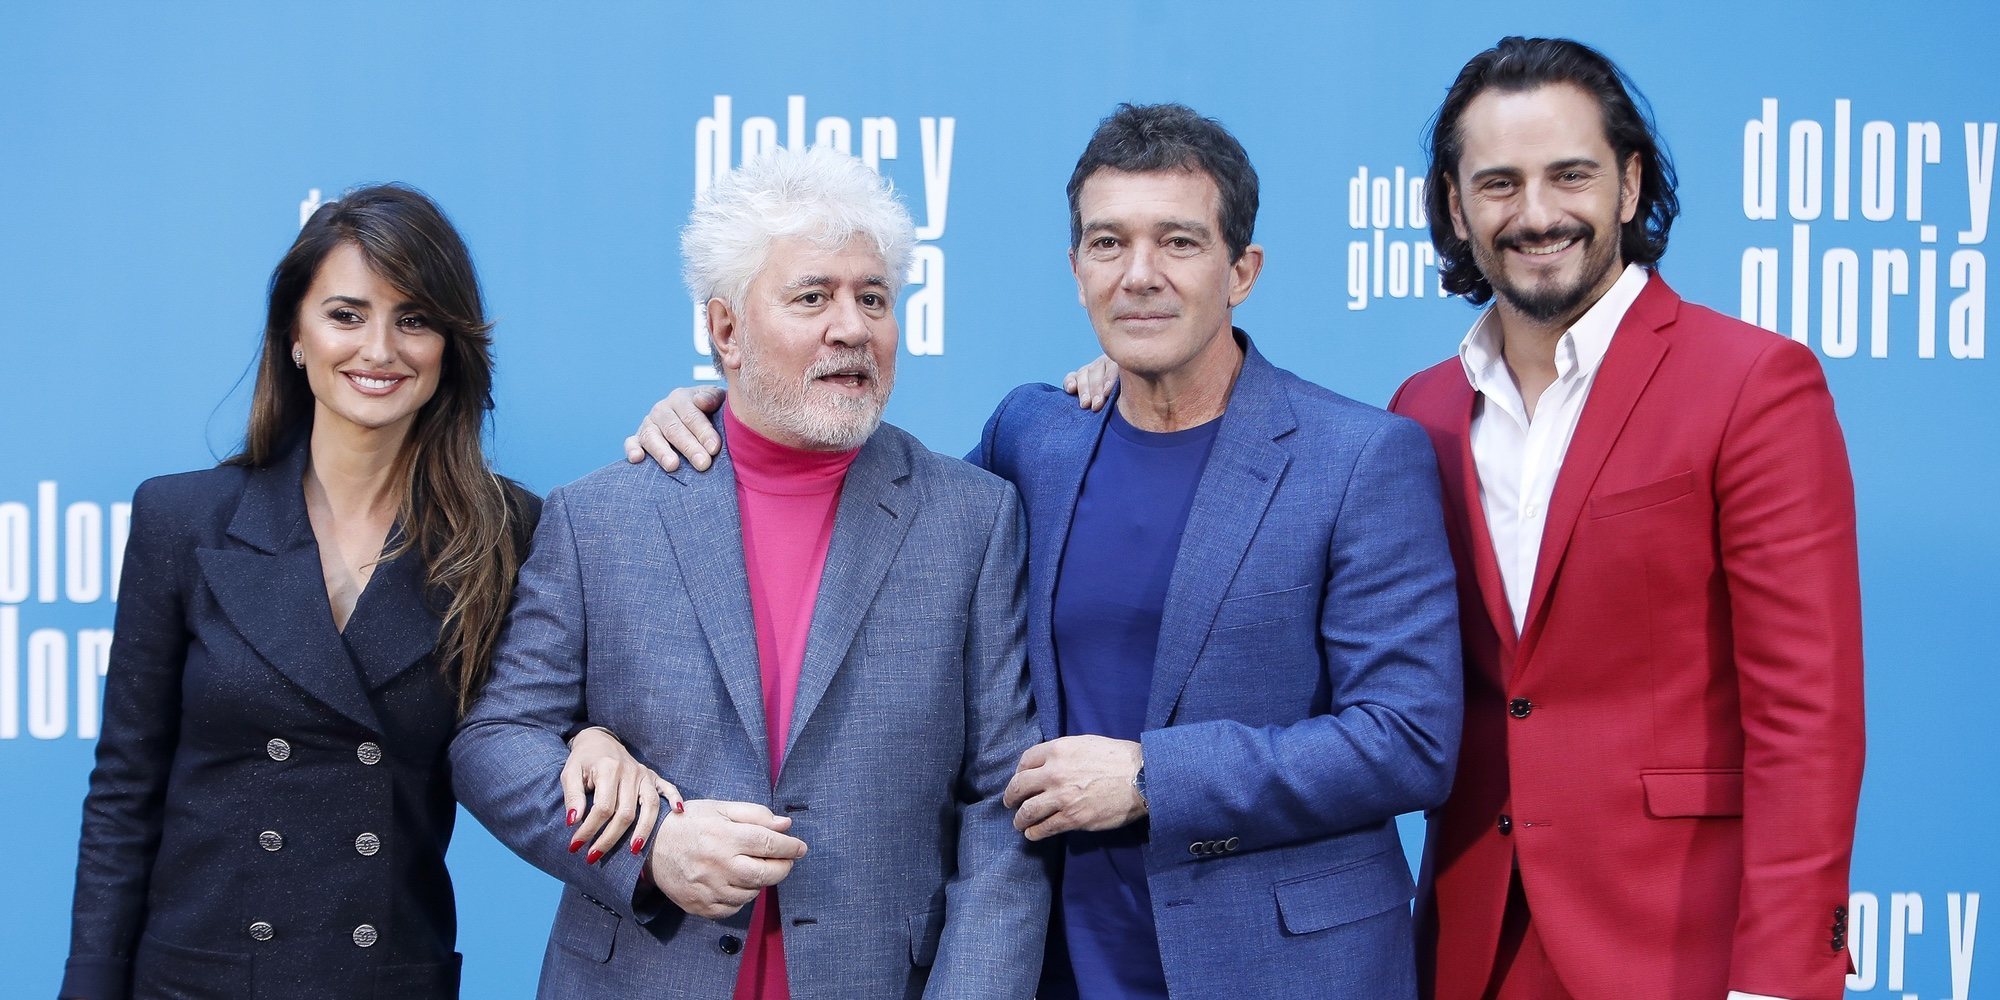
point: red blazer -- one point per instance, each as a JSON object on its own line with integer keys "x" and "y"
{"x": 1671, "y": 749}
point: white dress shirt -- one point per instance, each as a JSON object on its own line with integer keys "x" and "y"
{"x": 1518, "y": 458}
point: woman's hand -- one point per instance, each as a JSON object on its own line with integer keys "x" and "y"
{"x": 605, "y": 790}
{"x": 677, "y": 427}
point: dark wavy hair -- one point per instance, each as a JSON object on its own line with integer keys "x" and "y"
{"x": 1142, "y": 138}
{"x": 455, "y": 513}
{"x": 1520, "y": 64}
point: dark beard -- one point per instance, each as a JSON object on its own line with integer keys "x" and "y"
{"x": 1545, "y": 302}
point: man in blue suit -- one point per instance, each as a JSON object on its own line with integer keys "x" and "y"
{"x": 1242, "y": 621}
{"x": 821, "y": 643}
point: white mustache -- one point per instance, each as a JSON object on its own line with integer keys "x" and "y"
{"x": 859, "y": 361}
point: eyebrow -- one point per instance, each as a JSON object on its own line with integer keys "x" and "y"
{"x": 1164, "y": 226}
{"x": 1569, "y": 164}
{"x": 404, "y": 306}
{"x": 825, "y": 281}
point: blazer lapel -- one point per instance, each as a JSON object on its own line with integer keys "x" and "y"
{"x": 1057, "y": 480}
{"x": 876, "y": 505}
{"x": 273, "y": 590}
{"x": 703, "y": 524}
{"x": 1628, "y": 365}
{"x": 393, "y": 625}
{"x": 1244, "y": 467}
{"x": 1461, "y": 481}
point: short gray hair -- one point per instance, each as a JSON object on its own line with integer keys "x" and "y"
{"x": 820, "y": 194}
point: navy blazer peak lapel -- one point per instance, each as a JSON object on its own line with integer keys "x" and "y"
{"x": 1243, "y": 470}
{"x": 274, "y": 590}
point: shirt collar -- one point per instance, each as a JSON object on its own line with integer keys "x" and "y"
{"x": 1582, "y": 346}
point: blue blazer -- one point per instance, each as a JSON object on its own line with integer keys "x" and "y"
{"x": 912, "y": 708}
{"x": 1306, "y": 689}
{"x": 270, "y": 808}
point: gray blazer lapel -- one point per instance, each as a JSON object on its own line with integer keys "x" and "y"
{"x": 1236, "y": 486}
{"x": 876, "y": 504}
{"x": 273, "y": 591}
{"x": 703, "y": 524}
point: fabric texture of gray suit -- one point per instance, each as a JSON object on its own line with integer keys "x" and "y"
{"x": 633, "y": 612}
{"x": 1306, "y": 688}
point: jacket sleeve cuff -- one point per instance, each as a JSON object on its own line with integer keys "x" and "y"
{"x": 96, "y": 979}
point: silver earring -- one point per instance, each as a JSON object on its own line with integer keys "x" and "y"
{"x": 298, "y": 357}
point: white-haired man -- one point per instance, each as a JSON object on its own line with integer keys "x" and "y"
{"x": 822, "y": 646}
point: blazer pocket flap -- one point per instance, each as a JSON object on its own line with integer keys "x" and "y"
{"x": 925, "y": 929}
{"x": 588, "y": 928}
{"x": 1341, "y": 896}
{"x": 1694, "y": 792}
{"x": 1256, "y": 609}
{"x": 1673, "y": 487}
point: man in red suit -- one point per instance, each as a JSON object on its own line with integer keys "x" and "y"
{"x": 1653, "y": 521}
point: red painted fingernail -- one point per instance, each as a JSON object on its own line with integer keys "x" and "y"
{"x": 574, "y": 844}
{"x": 591, "y": 858}
{"x": 570, "y": 820}
{"x": 638, "y": 845}
{"x": 680, "y": 807}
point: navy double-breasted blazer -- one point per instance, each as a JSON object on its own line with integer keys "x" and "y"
{"x": 272, "y": 798}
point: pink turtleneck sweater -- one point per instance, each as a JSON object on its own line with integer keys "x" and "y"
{"x": 787, "y": 498}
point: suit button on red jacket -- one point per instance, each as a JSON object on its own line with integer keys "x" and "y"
{"x": 1519, "y": 708}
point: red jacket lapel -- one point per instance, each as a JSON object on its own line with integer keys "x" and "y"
{"x": 1634, "y": 355}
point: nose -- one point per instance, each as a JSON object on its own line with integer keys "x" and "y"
{"x": 1142, "y": 273}
{"x": 847, "y": 324}
{"x": 378, "y": 345}
{"x": 1539, "y": 209}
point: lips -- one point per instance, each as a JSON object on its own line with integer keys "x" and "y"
{"x": 850, "y": 375}
{"x": 1544, "y": 251}
{"x": 373, "y": 383}
{"x": 1548, "y": 244}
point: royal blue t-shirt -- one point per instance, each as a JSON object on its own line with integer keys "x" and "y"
{"x": 1110, "y": 589}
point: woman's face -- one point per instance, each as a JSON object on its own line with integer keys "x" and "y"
{"x": 372, "y": 357}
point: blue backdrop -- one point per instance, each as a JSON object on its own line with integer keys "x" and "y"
{"x": 1837, "y": 172}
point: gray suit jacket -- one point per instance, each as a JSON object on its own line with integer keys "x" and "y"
{"x": 633, "y": 612}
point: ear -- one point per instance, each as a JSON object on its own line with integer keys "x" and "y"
{"x": 1081, "y": 299}
{"x": 723, "y": 332}
{"x": 1628, "y": 189}
{"x": 1458, "y": 227}
{"x": 1243, "y": 274}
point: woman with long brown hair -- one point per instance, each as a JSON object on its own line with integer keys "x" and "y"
{"x": 298, "y": 632}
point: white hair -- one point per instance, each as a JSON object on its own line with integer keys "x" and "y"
{"x": 819, "y": 194}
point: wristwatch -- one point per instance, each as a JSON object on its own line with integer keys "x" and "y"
{"x": 1139, "y": 785}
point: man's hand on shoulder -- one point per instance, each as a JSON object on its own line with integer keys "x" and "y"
{"x": 677, "y": 428}
{"x": 1092, "y": 384}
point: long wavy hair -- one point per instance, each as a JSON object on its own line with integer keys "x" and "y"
{"x": 455, "y": 513}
